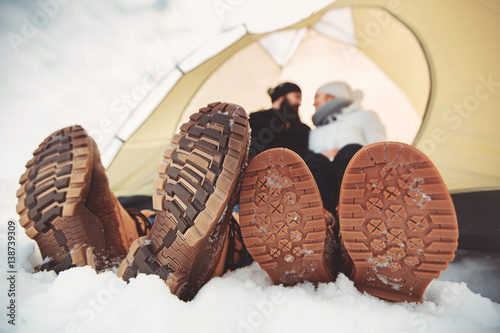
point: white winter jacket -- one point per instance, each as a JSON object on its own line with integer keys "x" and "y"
{"x": 353, "y": 125}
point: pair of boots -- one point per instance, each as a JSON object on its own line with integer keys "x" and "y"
{"x": 398, "y": 227}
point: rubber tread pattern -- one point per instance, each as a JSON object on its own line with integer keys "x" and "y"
{"x": 198, "y": 182}
{"x": 283, "y": 221}
{"x": 397, "y": 221}
{"x": 53, "y": 187}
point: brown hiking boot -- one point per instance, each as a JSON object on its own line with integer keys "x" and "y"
{"x": 197, "y": 187}
{"x": 283, "y": 221}
{"x": 66, "y": 206}
{"x": 397, "y": 221}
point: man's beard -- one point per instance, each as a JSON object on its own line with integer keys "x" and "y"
{"x": 288, "y": 110}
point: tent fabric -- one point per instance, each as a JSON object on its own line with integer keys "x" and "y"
{"x": 338, "y": 24}
{"x": 442, "y": 55}
{"x": 380, "y": 37}
{"x": 458, "y": 131}
{"x": 272, "y": 44}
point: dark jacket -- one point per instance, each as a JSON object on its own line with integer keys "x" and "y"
{"x": 278, "y": 129}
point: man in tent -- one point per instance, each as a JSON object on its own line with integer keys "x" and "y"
{"x": 280, "y": 126}
{"x": 397, "y": 219}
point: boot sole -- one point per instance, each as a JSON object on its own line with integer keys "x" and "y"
{"x": 397, "y": 221}
{"x": 196, "y": 190}
{"x": 282, "y": 219}
{"x": 51, "y": 201}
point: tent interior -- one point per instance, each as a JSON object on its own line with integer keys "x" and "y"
{"x": 431, "y": 82}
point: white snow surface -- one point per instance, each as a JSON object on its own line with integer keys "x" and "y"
{"x": 80, "y": 300}
{"x": 80, "y": 63}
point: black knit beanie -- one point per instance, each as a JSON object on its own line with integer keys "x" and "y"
{"x": 282, "y": 89}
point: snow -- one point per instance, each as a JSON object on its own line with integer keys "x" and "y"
{"x": 464, "y": 299}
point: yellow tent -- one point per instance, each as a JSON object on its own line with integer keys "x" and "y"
{"x": 443, "y": 55}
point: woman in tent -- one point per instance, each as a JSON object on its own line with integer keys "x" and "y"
{"x": 342, "y": 128}
{"x": 341, "y": 120}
